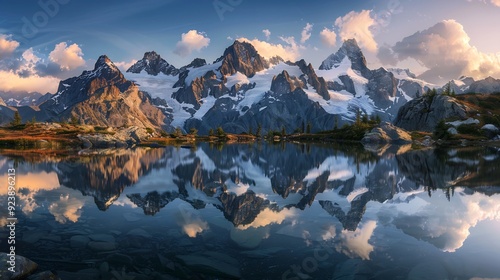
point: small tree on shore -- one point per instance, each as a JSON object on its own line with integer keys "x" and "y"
{"x": 17, "y": 119}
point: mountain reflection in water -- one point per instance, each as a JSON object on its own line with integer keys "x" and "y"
{"x": 265, "y": 190}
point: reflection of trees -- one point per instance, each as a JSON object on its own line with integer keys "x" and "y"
{"x": 446, "y": 169}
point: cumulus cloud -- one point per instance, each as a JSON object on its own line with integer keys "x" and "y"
{"x": 10, "y": 81}
{"x": 446, "y": 51}
{"x": 67, "y": 57}
{"x": 7, "y": 46}
{"x": 124, "y": 65}
{"x": 306, "y": 33}
{"x": 355, "y": 243}
{"x": 441, "y": 223}
{"x": 328, "y": 37}
{"x": 288, "y": 51}
{"x": 191, "y": 41}
{"x": 268, "y": 216}
{"x": 358, "y": 26}
{"x": 267, "y": 33}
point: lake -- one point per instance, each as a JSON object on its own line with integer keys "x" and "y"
{"x": 261, "y": 211}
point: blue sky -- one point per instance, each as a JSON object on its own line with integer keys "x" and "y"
{"x": 44, "y": 41}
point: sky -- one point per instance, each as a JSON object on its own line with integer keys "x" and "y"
{"x": 45, "y": 41}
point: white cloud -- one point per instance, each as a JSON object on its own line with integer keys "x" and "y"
{"x": 124, "y": 66}
{"x": 30, "y": 57}
{"x": 355, "y": 243}
{"x": 268, "y": 216}
{"x": 7, "y": 46}
{"x": 191, "y": 41}
{"x": 444, "y": 224}
{"x": 267, "y": 33}
{"x": 328, "y": 37}
{"x": 306, "y": 33}
{"x": 10, "y": 81}
{"x": 445, "y": 50}
{"x": 358, "y": 26}
{"x": 67, "y": 57}
{"x": 289, "y": 51}
{"x": 66, "y": 209}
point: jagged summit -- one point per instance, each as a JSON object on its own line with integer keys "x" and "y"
{"x": 153, "y": 64}
{"x": 351, "y": 50}
{"x": 241, "y": 57}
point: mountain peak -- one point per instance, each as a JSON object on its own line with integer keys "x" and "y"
{"x": 351, "y": 50}
{"x": 153, "y": 64}
{"x": 104, "y": 61}
{"x": 242, "y": 57}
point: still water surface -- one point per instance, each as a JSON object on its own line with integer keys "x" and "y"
{"x": 260, "y": 212}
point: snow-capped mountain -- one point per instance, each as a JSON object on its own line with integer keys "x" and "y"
{"x": 242, "y": 90}
{"x": 153, "y": 64}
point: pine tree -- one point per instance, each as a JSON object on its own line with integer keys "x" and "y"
{"x": 17, "y": 119}
{"x": 283, "y": 131}
{"x": 308, "y": 128}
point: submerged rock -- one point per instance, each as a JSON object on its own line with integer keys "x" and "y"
{"x": 46, "y": 275}
{"x": 23, "y": 267}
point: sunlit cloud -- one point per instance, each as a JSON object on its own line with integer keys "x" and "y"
{"x": 445, "y": 50}
{"x": 68, "y": 208}
{"x": 268, "y": 216}
{"x": 7, "y": 46}
{"x": 67, "y": 57}
{"x": 190, "y": 221}
{"x": 288, "y": 51}
{"x": 357, "y": 26}
{"x": 191, "y": 41}
{"x": 124, "y": 65}
{"x": 355, "y": 243}
{"x": 328, "y": 37}
{"x": 441, "y": 223}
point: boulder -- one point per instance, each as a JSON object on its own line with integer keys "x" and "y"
{"x": 387, "y": 133}
{"x": 490, "y": 130}
{"x": 23, "y": 267}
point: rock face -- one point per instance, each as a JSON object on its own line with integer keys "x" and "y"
{"x": 424, "y": 113}
{"x": 387, "y": 133}
{"x": 242, "y": 57}
{"x": 153, "y": 64}
{"x": 102, "y": 97}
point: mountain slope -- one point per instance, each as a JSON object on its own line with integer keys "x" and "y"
{"x": 102, "y": 97}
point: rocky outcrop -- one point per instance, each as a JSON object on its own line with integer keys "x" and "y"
{"x": 115, "y": 138}
{"x": 241, "y": 57}
{"x": 153, "y": 64}
{"x": 425, "y": 112}
{"x": 318, "y": 83}
{"x": 283, "y": 83}
{"x": 382, "y": 87}
{"x": 387, "y": 133}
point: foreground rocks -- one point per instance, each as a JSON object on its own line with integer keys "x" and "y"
{"x": 387, "y": 133}
{"x": 115, "y": 137}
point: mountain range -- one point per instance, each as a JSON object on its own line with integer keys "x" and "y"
{"x": 240, "y": 91}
